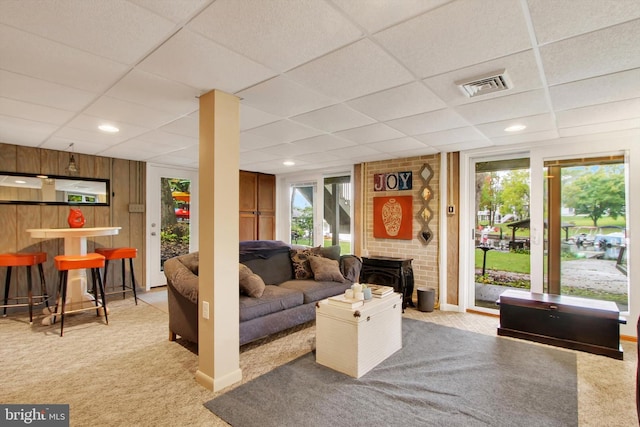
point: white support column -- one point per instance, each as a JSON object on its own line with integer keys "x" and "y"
{"x": 218, "y": 335}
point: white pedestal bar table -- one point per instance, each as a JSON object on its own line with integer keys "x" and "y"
{"x": 75, "y": 243}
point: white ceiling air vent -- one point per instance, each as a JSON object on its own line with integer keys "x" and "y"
{"x": 488, "y": 83}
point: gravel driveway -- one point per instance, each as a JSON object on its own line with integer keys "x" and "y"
{"x": 594, "y": 274}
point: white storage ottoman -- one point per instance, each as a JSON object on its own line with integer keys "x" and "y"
{"x": 354, "y": 340}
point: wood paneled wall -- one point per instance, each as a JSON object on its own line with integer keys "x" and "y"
{"x": 127, "y": 180}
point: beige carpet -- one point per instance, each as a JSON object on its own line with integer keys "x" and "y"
{"x": 127, "y": 373}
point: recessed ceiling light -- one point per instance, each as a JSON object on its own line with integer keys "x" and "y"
{"x": 288, "y": 163}
{"x": 108, "y": 128}
{"x": 515, "y": 128}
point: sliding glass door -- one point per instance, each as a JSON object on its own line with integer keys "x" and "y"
{"x": 337, "y": 212}
{"x": 549, "y": 221}
{"x": 501, "y": 228}
{"x": 302, "y": 213}
{"x": 320, "y": 211}
{"x": 586, "y": 237}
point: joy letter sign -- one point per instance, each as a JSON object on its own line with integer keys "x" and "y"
{"x": 392, "y": 181}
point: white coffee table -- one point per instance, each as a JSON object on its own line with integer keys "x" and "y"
{"x": 354, "y": 341}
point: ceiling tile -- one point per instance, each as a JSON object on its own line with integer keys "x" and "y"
{"x": 521, "y": 69}
{"x": 120, "y": 31}
{"x": 185, "y": 157}
{"x": 24, "y": 132}
{"x": 370, "y": 133}
{"x": 252, "y": 141}
{"x": 554, "y": 20}
{"x": 616, "y": 49}
{"x": 41, "y": 92}
{"x": 29, "y": 111}
{"x": 284, "y": 97}
{"x": 356, "y": 151}
{"x": 526, "y": 137}
{"x": 353, "y": 71}
{"x": 614, "y": 111}
{"x": 166, "y": 141}
{"x": 280, "y": 34}
{"x": 505, "y": 107}
{"x": 604, "y": 89}
{"x": 275, "y": 167}
{"x": 433, "y": 121}
{"x": 335, "y": 118}
{"x": 156, "y": 92}
{"x": 535, "y": 123}
{"x": 407, "y": 100}
{"x": 458, "y": 34}
{"x": 395, "y": 145}
{"x": 284, "y": 131}
{"x": 195, "y": 61}
{"x": 286, "y": 150}
{"x": 85, "y": 128}
{"x": 379, "y": 14}
{"x": 253, "y": 117}
{"x": 321, "y": 157}
{"x": 80, "y": 145}
{"x": 173, "y": 10}
{"x": 462, "y": 146}
{"x": 463, "y": 134}
{"x": 115, "y": 110}
{"x": 284, "y": 59}
{"x": 256, "y": 156}
{"x": 375, "y": 157}
{"x": 320, "y": 143}
{"x": 424, "y": 151}
{"x": 34, "y": 56}
{"x": 132, "y": 149}
{"x": 600, "y": 127}
{"x": 187, "y": 126}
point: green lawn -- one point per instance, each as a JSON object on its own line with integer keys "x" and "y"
{"x": 505, "y": 261}
{"x": 578, "y": 220}
{"x": 345, "y": 247}
{"x": 583, "y": 221}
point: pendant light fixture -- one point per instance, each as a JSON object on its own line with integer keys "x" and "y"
{"x": 72, "y": 167}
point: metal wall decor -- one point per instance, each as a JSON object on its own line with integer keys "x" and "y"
{"x": 425, "y": 235}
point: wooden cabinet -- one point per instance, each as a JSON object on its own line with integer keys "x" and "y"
{"x": 576, "y": 323}
{"x": 257, "y": 205}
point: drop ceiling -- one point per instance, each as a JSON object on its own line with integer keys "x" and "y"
{"x": 325, "y": 83}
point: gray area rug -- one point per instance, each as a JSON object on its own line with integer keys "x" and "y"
{"x": 441, "y": 377}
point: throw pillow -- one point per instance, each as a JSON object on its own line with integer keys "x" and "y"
{"x": 250, "y": 283}
{"x": 191, "y": 261}
{"x": 351, "y": 267}
{"x": 325, "y": 269}
{"x": 332, "y": 252}
{"x": 300, "y": 261}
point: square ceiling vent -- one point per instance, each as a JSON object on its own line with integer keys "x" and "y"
{"x": 483, "y": 85}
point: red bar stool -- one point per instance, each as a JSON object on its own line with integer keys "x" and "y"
{"x": 112, "y": 254}
{"x": 28, "y": 260}
{"x": 93, "y": 262}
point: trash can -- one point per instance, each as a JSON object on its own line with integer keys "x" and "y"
{"x": 426, "y": 299}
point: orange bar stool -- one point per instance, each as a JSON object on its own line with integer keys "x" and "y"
{"x": 92, "y": 262}
{"x": 28, "y": 260}
{"x": 113, "y": 254}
